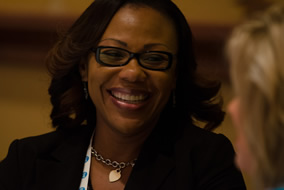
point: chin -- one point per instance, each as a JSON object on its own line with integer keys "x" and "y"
{"x": 132, "y": 128}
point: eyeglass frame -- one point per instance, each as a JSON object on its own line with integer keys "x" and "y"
{"x": 132, "y": 55}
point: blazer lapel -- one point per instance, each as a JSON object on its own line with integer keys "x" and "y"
{"x": 150, "y": 172}
{"x": 154, "y": 164}
{"x": 62, "y": 169}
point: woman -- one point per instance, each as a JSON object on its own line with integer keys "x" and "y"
{"x": 257, "y": 68}
{"x": 125, "y": 97}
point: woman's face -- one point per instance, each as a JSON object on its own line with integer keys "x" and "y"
{"x": 130, "y": 98}
{"x": 244, "y": 159}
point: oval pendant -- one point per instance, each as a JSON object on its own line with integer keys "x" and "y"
{"x": 114, "y": 175}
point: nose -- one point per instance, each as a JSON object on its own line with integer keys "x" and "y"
{"x": 133, "y": 72}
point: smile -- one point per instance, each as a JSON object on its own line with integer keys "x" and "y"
{"x": 129, "y": 98}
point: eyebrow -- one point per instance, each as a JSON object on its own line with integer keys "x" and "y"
{"x": 118, "y": 41}
{"x": 145, "y": 46}
{"x": 154, "y": 44}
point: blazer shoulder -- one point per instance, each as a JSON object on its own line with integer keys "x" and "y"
{"x": 39, "y": 157}
{"x": 49, "y": 141}
{"x": 212, "y": 157}
{"x": 196, "y": 136}
{"x": 40, "y": 142}
{"x": 21, "y": 157}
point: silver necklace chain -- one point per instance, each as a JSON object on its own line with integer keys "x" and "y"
{"x": 114, "y": 164}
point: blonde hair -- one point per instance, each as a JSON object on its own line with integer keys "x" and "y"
{"x": 256, "y": 53}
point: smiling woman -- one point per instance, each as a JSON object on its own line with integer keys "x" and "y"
{"x": 112, "y": 88}
{"x": 125, "y": 97}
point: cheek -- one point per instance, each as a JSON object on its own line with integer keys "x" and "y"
{"x": 97, "y": 78}
{"x": 244, "y": 159}
{"x": 170, "y": 77}
{"x": 165, "y": 83}
{"x": 94, "y": 87}
{"x": 234, "y": 112}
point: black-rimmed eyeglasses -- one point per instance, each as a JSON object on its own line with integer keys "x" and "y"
{"x": 115, "y": 57}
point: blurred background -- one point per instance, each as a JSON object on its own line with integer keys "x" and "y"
{"x": 29, "y": 28}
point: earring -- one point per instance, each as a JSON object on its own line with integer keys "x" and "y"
{"x": 85, "y": 84}
{"x": 174, "y": 98}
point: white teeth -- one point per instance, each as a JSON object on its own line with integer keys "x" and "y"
{"x": 128, "y": 97}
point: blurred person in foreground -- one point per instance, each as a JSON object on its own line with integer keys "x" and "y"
{"x": 125, "y": 98}
{"x": 255, "y": 51}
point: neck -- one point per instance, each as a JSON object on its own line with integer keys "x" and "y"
{"x": 117, "y": 146}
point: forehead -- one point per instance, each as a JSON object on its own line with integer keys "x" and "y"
{"x": 144, "y": 7}
{"x": 133, "y": 24}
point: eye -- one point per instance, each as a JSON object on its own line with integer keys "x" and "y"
{"x": 154, "y": 58}
{"x": 113, "y": 54}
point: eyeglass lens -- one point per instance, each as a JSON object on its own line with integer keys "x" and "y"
{"x": 117, "y": 57}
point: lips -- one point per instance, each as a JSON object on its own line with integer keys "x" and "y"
{"x": 129, "y": 97}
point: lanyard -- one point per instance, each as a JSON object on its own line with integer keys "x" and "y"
{"x": 87, "y": 166}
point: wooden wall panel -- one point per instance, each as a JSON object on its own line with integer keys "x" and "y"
{"x": 26, "y": 40}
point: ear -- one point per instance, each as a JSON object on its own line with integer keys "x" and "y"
{"x": 83, "y": 69}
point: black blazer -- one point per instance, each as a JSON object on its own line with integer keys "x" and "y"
{"x": 192, "y": 159}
